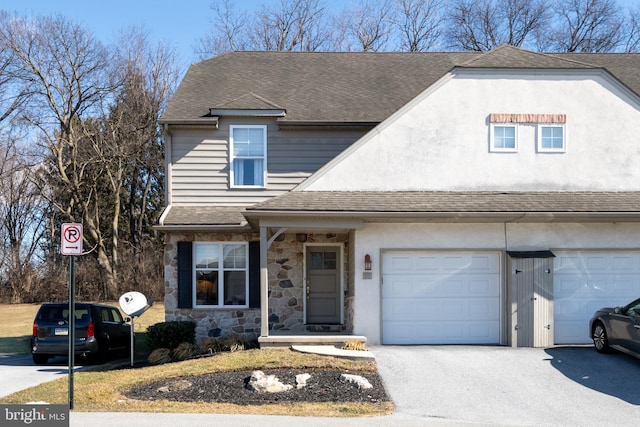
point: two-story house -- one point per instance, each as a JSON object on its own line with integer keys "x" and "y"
{"x": 409, "y": 198}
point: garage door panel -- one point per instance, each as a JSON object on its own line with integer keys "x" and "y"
{"x": 587, "y": 281}
{"x": 436, "y": 286}
{"x": 399, "y": 263}
{"x": 440, "y": 298}
{"x": 436, "y": 332}
{"x": 444, "y": 309}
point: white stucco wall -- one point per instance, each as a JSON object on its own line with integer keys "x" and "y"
{"x": 440, "y": 140}
{"x": 373, "y": 239}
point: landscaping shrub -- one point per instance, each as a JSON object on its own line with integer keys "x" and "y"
{"x": 170, "y": 334}
{"x": 185, "y": 350}
{"x": 354, "y": 345}
{"x": 212, "y": 345}
{"x": 159, "y": 356}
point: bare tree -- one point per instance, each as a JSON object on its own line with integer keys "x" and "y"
{"x": 481, "y": 25}
{"x": 631, "y": 30}
{"x": 290, "y": 25}
{"x": 65, "y": 72}
{"x": 420, "y": 24}
{"x": 134, "y": 146}
{"x": 294, "y": 25}
{"x": 370, "y": 24}
{"x": 21, "y": 223}
{"x": 584, "y": 26}
{"x": 11, "y": 96}
{"x": 229, "y": 31}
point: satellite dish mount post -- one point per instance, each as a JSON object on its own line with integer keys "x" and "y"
{"x": 134, "y": 304}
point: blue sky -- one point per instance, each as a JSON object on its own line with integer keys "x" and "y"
{"x": 180, "y": 23}
{"x": 177, "y": 22}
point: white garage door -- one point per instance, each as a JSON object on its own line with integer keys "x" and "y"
{"x": 586, "y": 281}
{"x": 440, "y": 298}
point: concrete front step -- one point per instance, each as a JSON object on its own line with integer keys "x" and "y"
{"x": 337, "y": 340}
{"x": 329, "y": 350}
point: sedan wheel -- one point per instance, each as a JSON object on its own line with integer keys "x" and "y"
{"x": 600, "y": 340}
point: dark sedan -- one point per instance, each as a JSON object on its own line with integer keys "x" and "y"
{"x": 618, "y": 328}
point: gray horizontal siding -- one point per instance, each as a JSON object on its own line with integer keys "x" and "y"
{"x": 200, "y": 162}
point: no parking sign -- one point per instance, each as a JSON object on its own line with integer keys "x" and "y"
{"x": 71, "y": 239}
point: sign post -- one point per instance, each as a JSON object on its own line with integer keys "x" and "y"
{"x": 71, "y": 244}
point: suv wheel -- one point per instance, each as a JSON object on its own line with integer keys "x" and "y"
{"x": 100, "y": 356}
{"x": 40, "y": 359}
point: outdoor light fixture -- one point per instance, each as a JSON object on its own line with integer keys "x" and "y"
{"x": 367, "y": 263}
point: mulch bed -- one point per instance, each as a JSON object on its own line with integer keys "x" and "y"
{"x": 230, "y": 387}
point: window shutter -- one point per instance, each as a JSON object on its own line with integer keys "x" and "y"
{"x": 254, "y": 274}
{"x": 185, "y": 275}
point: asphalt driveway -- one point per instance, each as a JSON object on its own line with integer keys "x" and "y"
{"x": 17, "y": 372}
{"x": 463, "y": 385}
{"x": 468, "y": 386}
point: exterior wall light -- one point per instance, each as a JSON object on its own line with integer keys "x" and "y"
{"x": 367, "y": 263}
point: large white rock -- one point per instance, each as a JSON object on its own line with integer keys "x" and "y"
{"x": 356, "y": 381}
{"x": 263, "y": 383}
{"x": 301, "y": 380}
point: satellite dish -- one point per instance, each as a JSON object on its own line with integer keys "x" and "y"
{"x": 133, "y": 303}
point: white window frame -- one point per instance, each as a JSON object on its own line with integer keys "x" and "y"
{"x": 220, "y": 269}
{"x": 542, "y": 149}
{"x": 492, "y": 138}
{"x": 232, "y": 172}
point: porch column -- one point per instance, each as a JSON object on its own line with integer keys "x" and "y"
{"x": 264, "y": 284}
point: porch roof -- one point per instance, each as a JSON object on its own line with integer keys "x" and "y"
{"x": 202, "y": 217}
{"x": 453, "y": 205}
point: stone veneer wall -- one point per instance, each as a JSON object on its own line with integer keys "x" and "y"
{"x": 285, "y": 261}
{"x": 210, "y": 322}
{"x": 286, "y": 287}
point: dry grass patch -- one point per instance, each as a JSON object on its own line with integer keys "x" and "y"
{"x": 99, "y": 391}
{"x": 16, "y": 322}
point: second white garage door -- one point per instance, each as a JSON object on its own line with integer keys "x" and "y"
{"x": 585, "y": 281}
{"x": 440, "y": 297}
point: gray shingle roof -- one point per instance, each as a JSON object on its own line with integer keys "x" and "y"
{"x": 333, "y": 87}
{"x": 204, "y": 216}
{"x": 353, "y": 87}
{"x": 451, "y": 202}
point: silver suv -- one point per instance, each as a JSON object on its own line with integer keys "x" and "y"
{"x": 100, "y": 331}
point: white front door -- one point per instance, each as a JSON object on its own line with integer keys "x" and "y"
{"x": 440, "y": 297}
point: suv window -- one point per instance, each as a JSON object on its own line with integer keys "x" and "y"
{"x": 57, "y": 313}
{"x": 110, "y": 315}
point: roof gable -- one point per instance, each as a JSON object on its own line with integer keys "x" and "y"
{"x": 507, "y": 56}
{"x": 248, "y": 101}
{"x": 350, "y": 87}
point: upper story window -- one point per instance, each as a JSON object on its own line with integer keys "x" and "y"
{"x": 551, "y": 138}
{"x": 551, "y": 133}
{"x": 221, "y": 274}
{"x": 504, "y": 137}
{"x": 248, "y": 156}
